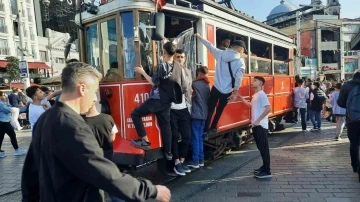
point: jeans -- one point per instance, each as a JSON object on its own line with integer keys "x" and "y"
{"x": 303, "y": 119}
{"x": 215, "y": 97}
{"x": 340, "y": 123}
{"x": 197, "y": 141}
{"x": 262, "y": 143}
{"x": 162, "y": 112}
{"x": 296, "y": 114}
{"x": 180, "y": 124}
{"x": 315, "y": 117}
{"x": 353, "y": 130}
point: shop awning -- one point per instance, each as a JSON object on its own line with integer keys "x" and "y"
{"x": 31, "y": 65}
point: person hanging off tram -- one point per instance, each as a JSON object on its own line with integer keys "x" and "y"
{"x": 230, "y": 68}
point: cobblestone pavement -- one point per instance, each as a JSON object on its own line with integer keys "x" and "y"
{"x": 310, "y": 167}
{"x": 11, "y": 166}
{"x": 306, "y": 167}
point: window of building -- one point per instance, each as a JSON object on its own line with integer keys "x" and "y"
{"x": 43, "y": 56}
{"x": 60, "y": 60}
{"x": 347, "y": 46}
{"x": 32, "y": 35}
{"x": 109, "y": 49}
{"x": 33, "y": 51}
{"x": 14, "y": 10}
{"x": 16, "y": 28}
{"x": 128, "y": 44}
{"x": 3, "y": 27}
{"x": 18, "y": 48}
{"x": 4, "y": 49}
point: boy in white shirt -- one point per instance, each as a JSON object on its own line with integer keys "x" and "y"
{"x": 260, "y": 108}
{"x": 39, "y": 103}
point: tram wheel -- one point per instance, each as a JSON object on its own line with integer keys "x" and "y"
{"x": 220, "y": 147}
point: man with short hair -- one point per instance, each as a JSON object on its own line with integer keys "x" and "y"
{"x": 180, "y": 119}
{"x": 159, "y": 102}
{"x": 64, "y": 158}
{"x": 317, "y": 99}
{"x": 230, "y": 67}
{"x": 300, "y": 97}
{"x": 225, "y": 42}
{"x": 353, "y": 126}
{"x": 260, "y": 108}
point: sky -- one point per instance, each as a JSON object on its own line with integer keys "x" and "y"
{"x": 260, "y": 9}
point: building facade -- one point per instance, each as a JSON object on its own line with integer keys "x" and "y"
{"x": 325, "y": 38}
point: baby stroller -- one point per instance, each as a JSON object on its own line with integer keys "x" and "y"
{"x": 23, "y": 119}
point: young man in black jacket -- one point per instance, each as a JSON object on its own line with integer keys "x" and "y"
{"x": 353, "y": 127}
{"x": 65, "y": 159}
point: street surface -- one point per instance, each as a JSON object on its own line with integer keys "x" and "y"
{"x": 305, "y": 166}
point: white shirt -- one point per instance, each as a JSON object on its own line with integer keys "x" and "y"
{"x": 35, "y": 111}
{"x": 182, "y": 105}
{"x": 43, "y": 101}
{"x": 258, "y": 105}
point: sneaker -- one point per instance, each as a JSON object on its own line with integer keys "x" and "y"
{"x": 213, "y": 131}
{"x": 338, "y": 138}
{"x": 2, "y": 154}
{"x": 201, "y": 163}
{"x": 186, "y": 168}
{"x": 263, "y": 175}
{"x": 256, "y": 171}
{"x": 314, "y": 129}
{"x": 193, "y": 164}
{"x": 141, "y": 143}
{"x": 179, "y": 169}
{"x": 20, "y": 152}
{"x": 168, "y": 156}
{"x": 18, "y": 129}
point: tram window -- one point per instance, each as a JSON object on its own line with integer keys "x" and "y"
{"x": 109, "y": 49}
{"x": 145, "y": 42}
{"x": 260, "y": 60}
{"x": 92, "y": 43}
{"x": 281, "y": 63}
{"x": 128, "y": 44}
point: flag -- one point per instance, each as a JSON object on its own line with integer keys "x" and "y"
{"x": 160, "y": 4}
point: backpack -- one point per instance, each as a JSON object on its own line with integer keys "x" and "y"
{"x": 176, "y": 92}
{"x": 353, "y": 105}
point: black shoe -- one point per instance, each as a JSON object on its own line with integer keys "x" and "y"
{"x": 256, "y": 171}
{"x": 168, "y": 156}
{"x": 186, "y": 168}
{"x": 141, "y": 143}
{"x": 179, "y": 169}
{"x": 355, "y": 169}
{"x": 213, "y": 131}
{"x": 263, "y": 175}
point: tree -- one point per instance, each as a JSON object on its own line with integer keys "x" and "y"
{"x": 12, "y": 68}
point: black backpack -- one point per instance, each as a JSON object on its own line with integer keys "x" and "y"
{"x": 353, "y": 105}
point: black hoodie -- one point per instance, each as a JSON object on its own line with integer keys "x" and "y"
{"x": 346, "y": 89}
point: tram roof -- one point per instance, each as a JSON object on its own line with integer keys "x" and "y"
{"x": 198, "y": 8}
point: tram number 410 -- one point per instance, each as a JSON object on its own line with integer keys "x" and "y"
{"x": 141, "y": 97}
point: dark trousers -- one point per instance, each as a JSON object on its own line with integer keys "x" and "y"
{"x": 308, "y": 112}
{"x": 162, "y": 112}
{"x": 302, "y": 116}
{"x": 296, "y": 114}
{"x": 6, "y": 127}
{"x": 216, "y": 97}
{"x": 315, "y": 117}
{"x": 180, "y": 124}
{"x": 353, "y": 130}
{"x": 262, "y": 143}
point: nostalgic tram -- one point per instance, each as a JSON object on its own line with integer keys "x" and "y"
{"x": 119, "y": 37}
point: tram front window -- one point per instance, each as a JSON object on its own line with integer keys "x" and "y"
{"x": 109, "y": 49}
{"x": 128, "y": 44}
{"x": 145, "y": 41}
{"x": 281, "y": 64}
{"x": 92, "y": 46}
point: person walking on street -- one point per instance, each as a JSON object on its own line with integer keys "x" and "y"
{"x": 317, "y": 99}
{"x": 339, "y": 112}
{"x": 6, "y": 127}
{"x": 260, "y": 108}
{"x": 350, "y": 100}
{"x": 65, "y": 159}
{"x": 300, "y": 97}
{"x": 15, "y": 103}
{"x": 230, "y": 67}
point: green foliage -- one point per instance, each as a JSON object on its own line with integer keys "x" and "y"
{"x": 12, "y": 68}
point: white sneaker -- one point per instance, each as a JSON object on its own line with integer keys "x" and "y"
{"x": 19, "y": 129}
{"x": 20, "y": 152}
{"x": 2, "y": 154}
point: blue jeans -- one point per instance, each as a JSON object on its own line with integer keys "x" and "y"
{"x": 197, "y": 127}
{"x": 303, "y": 119}
{"x": 315, "y": 116}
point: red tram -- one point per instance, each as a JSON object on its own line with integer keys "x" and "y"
{"x": 118, "y": 38}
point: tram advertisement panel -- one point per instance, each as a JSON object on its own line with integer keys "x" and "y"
{"x": 133, "y": 95}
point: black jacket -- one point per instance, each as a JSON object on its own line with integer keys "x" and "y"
{"x": 346, "y": 89}
{"x": 65, "y": 159}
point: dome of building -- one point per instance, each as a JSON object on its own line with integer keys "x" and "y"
{"x": 281, "y": 9}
